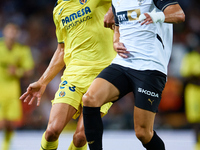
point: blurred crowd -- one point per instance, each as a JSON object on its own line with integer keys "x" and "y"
{"x": 38, "y": 32}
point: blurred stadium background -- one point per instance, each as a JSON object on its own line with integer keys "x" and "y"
{"x": 38, "y": 31}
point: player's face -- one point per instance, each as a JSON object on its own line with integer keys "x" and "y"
{"x": 11, "y": 32}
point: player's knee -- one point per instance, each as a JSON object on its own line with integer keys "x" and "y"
{"x": 51, "y": 134}
{"x": 90, "y": 100}
{"x": 142, "y": 134}
{"x": 79, "y": 139}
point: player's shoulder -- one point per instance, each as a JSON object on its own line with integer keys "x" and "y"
{"x": 61, "y": 6}
{"x": 130, "y": 4}
{"x": 56, "y": 7}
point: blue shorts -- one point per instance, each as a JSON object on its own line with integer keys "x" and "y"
{"x": 146, "y": 85}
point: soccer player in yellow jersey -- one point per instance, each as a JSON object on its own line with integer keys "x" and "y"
{"x": 84, "y": 49}
{"x": 16, "y": 61}
{"x": 190, "y": 70}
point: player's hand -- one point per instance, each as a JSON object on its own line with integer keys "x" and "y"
{"x": 121, "y": 49}
{"x": 12, "y": 70}
{"x": 34, "y": 91}
{"x": 145, "y": 19}
{"x": 109, "y": 21}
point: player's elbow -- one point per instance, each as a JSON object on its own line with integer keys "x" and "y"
{"x": 180, "y": 17}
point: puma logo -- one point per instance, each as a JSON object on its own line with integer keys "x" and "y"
{"x": 90, "y": 142}
{"x": 151, "y": 101}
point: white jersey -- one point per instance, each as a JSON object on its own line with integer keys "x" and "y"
{"x": 149, "y": 45}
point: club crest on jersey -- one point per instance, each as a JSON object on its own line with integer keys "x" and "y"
{"x": 140, "y": 2}
{"x": 62, "y": 94}
{"x": 82, "y": 1}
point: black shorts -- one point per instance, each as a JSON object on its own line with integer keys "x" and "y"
{"x": 146, "y": 85}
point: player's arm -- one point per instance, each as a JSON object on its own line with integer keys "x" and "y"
{"x": 118, "y": 46}
{"x": 36, "y": 89}
{"x": 174, "y": 14}
{"x": 55, "y": 65}
{"x": 109, "y": 21}
{"x": 170, "y": 14}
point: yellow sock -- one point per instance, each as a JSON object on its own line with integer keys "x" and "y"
{"x": 73, "y": 147}
{"x": 45, "y": 145}
{"x": 7, "y": 140}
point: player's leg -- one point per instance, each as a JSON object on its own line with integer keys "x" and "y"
{"x": 110, "y": 85}
{"x": 61, "y": 114}
{"x": 5, "y": 125}
{"x": 10, "y": 112}
{"x": 2, "y": 126}
{"x": 79, "y": 140}
{"x": 192, "y": 101}
{"x": 143, "y": 125}
{"x": 100, "y": 92}
{"x": 8, "y": 134}
{"x": 147, "y": 90}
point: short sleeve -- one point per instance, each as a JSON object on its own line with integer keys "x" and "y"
{"x": 59, "y": 34}
{"x": 162, "y": 4}
{"x": 115, "y": 16}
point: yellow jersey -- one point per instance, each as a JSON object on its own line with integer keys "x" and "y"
{"x": 88, "y": 44}
{"x": 191, "y": 68}
{"x": 191, "y": 64}
{"x": 19, "y": 56}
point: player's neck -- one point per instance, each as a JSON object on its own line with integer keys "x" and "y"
{"x": 9, "y": 43}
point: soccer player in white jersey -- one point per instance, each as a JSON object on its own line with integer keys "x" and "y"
{"x": 143, "y": 41}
